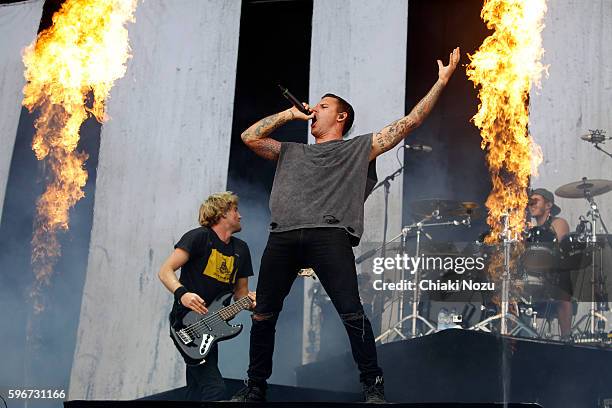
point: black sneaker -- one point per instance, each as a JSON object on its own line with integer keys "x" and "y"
{"x": 374, "y": 392}
{"x": 252, "y": 392}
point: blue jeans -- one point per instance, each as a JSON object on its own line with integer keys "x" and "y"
{"x": 204, "y": 381}
{"x": 329, "y": 252}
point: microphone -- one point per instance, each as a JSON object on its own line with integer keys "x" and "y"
{"x": 294, "y": 101}
{"x": 419, "y": 148}
{"x": 596, "y": 136}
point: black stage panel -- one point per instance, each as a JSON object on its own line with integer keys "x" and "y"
{"x": 280, "y": 396}
{"x": 275, "y": 393}
{"x": 188, "y": 404}
{"x": 474, "y": 367}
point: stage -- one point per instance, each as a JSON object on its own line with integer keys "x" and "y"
{"x": 452, "y": 368}
{"x": 475, "y": 367}
{"x": 121, "y": 118}
{"x": 185, "y": 404}
{"x": 279, "y": 396}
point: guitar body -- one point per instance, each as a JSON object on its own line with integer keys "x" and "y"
{"x": 195, "y": 334}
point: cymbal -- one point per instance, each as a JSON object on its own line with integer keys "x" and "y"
{"x": 423, "y": 208}
{"x": 468, "y": 208}
{"x": 577, "y": 189}
{"x": 469, "y": 205}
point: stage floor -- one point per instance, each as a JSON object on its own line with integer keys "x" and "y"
{"x": 473, "y": 367}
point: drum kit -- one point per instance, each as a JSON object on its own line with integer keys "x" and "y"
{"x": 585, "y": 247}
{"x": 534, "y": 266}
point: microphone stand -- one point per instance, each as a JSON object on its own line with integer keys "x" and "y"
{"x": 602, "y": 150}
{"x": 386, "y": 183}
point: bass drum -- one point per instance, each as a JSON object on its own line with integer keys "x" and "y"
{"x": 574, "y": 253}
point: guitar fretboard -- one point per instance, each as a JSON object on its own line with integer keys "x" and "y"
{"x": 232, "y": 310}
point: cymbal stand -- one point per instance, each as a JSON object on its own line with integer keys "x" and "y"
{"x": 595, "y": 319}
{"x": 504, "y": 316}
{"x": 415, "y": 316}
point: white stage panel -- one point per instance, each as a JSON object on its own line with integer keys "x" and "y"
{"x": 164, "y": 150}
{"x": 358, "y": 52}
{"x": 18, "y": 26}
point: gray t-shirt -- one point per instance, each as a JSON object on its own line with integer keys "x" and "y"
{"x": 323, "y": 185}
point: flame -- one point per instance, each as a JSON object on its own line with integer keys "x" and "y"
{"x": 70, "y": 70}
{"x": 504, "y": 68}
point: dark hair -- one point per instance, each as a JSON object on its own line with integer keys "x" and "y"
{"x": 344, "y": 106}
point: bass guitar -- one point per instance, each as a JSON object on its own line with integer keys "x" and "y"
{"x": 195, "y": 334}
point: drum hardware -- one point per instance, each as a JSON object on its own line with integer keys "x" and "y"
{"x": 594, "y": 321}
{"x": 505, "y": 316}
{"x": 527, "y": 309}
{"x": 415, "y": 316}
{"x": 531, "y": 311}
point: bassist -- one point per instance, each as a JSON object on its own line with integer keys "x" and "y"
{"x": 212, "y": 261}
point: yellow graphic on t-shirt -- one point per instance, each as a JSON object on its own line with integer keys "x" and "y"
{"x": 219, "y": 266}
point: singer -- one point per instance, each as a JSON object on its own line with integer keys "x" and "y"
{"x": 316, "y": 208}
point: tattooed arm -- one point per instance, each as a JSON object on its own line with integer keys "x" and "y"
{"x": 257, "y": 137}
{"x": 394, "y": 133}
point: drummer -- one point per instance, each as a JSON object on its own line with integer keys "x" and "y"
{"x": 543, "y": 209}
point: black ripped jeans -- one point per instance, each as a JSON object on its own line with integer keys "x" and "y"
{"x": 328, "y": 251}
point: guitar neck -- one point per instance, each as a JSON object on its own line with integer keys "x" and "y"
{"x": 232, "y": 310}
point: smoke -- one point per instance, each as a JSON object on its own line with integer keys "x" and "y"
{"x": 41, "y": 356}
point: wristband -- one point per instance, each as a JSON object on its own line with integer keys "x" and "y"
{"x": 178, "y": 294}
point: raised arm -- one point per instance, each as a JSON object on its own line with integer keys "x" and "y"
{"x": 257, "y": 136}
{"x": 391, "y": 135}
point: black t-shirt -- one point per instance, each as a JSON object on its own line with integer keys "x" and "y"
{"x": 213, "y": 266}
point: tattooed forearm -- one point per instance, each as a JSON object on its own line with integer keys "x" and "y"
{"x": 257, "y": 137}
{"x": 391, "y": 135}
{"x": 425, "y": 105}
{"x": 394, "y": 133}
{"x": 267, "y": 125}
{"x": 267, "y": 148}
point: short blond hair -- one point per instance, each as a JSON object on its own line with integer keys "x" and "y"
{"x": 216, "y": 206}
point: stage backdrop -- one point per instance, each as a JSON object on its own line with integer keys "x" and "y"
{"x": 359, "y": 53}
{"x": 171, "y": 118}
{"x": 165, "y": 148}
{"x": 574, "y": 98}
{"x": 18, "y": 26}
